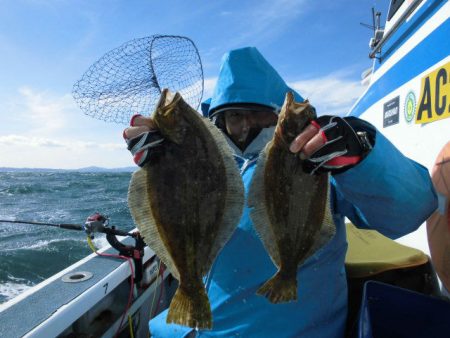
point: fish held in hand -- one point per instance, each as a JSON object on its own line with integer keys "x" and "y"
{"x": 186, "y": 203}
{"x": 290, "y": 208}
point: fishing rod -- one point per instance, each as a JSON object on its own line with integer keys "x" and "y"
{"x": 58, "y": 225}
{"x": 97, "y": 223}
{"x": 94, "y": 223}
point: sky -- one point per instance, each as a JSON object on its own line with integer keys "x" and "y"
{"x": 318, "y": 47}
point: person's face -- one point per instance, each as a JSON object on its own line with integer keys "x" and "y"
{"x": 240, "y": 123}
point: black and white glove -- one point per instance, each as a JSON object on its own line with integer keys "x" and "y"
{"x": 346, "y": 141}
{"x": 145, "y": 147}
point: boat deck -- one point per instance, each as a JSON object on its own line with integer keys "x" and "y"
{"x": 22, "y": 315}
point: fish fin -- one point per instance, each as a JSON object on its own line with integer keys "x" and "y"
{"x": 138, "y": 202}
{"x": 190, "y": 309}
{"x": 279, "y": 289}
{"x": 235, "y": 195}
{"x": 327, "y": 230}
{"x": 258, "y": 212}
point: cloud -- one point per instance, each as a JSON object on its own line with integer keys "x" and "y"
{"x": 95, "y": 145}
{"x": 190, "y": 93}
{"x": 48, "y": 130}
{"x": 209, "y": 84}
{"x": 332, "y": 94}
{"x": 46, "y": 112}
{"x": 41, "y": 142}
{"x": 20, "y": 140}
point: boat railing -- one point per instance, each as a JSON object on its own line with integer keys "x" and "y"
{"x": 394, "y": 28}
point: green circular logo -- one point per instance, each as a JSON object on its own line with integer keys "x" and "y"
{"x": 410, "y": 107}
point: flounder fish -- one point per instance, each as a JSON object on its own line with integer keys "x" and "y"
{"x": 187, "y": 203}
{"x": 290, "y": 208}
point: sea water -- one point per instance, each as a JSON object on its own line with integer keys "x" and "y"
{"x": 31, "y": 253}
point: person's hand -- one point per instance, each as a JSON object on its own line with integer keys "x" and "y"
{"x": 331, "y": 144}
{"x": 142, "y": 139}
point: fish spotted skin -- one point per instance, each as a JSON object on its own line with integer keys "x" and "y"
{"x": 187, "y": 203}
{"x": 290, "y": 207}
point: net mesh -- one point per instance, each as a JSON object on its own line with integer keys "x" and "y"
{"x": 129, "y": 79}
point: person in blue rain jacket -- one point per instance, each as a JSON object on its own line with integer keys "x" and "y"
{"x": 372, "y": 184}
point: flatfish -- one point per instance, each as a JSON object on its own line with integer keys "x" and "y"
{"x": 187, "y": 203}
{"x": 290, "y": 208}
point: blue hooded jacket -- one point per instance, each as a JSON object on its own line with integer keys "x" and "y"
{"x": 246, "y": 77}
{"x": 381, "y": 192}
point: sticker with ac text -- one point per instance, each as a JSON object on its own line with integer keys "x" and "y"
{"x": 434, "y": 101}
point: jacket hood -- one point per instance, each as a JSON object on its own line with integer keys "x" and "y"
{"x": 246, "y": 77}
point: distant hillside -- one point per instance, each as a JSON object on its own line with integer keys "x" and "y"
{"x": 85, "y": 170}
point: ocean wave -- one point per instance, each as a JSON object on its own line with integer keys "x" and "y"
{"x": 10, "y": 290}
{"x": 34, "y": 252}
{"x": 27, "y": 189}
{"x": 49, "y": 245}
{"x": 6, "y": 193}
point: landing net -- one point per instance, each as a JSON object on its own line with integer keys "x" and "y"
{"x": 129, "y": 79}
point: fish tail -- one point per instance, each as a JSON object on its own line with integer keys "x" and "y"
{"x": 280, "y": 288}
{"x": 190, "y": 309}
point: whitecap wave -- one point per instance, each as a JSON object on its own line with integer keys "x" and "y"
{"x": 41, "y": 245}
{"x": 10, "y": 290}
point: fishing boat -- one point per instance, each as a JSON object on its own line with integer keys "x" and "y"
{"x": 408, "y": 93}
{"x": 111, "y": 293}
{"x": 407, "y": 98}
